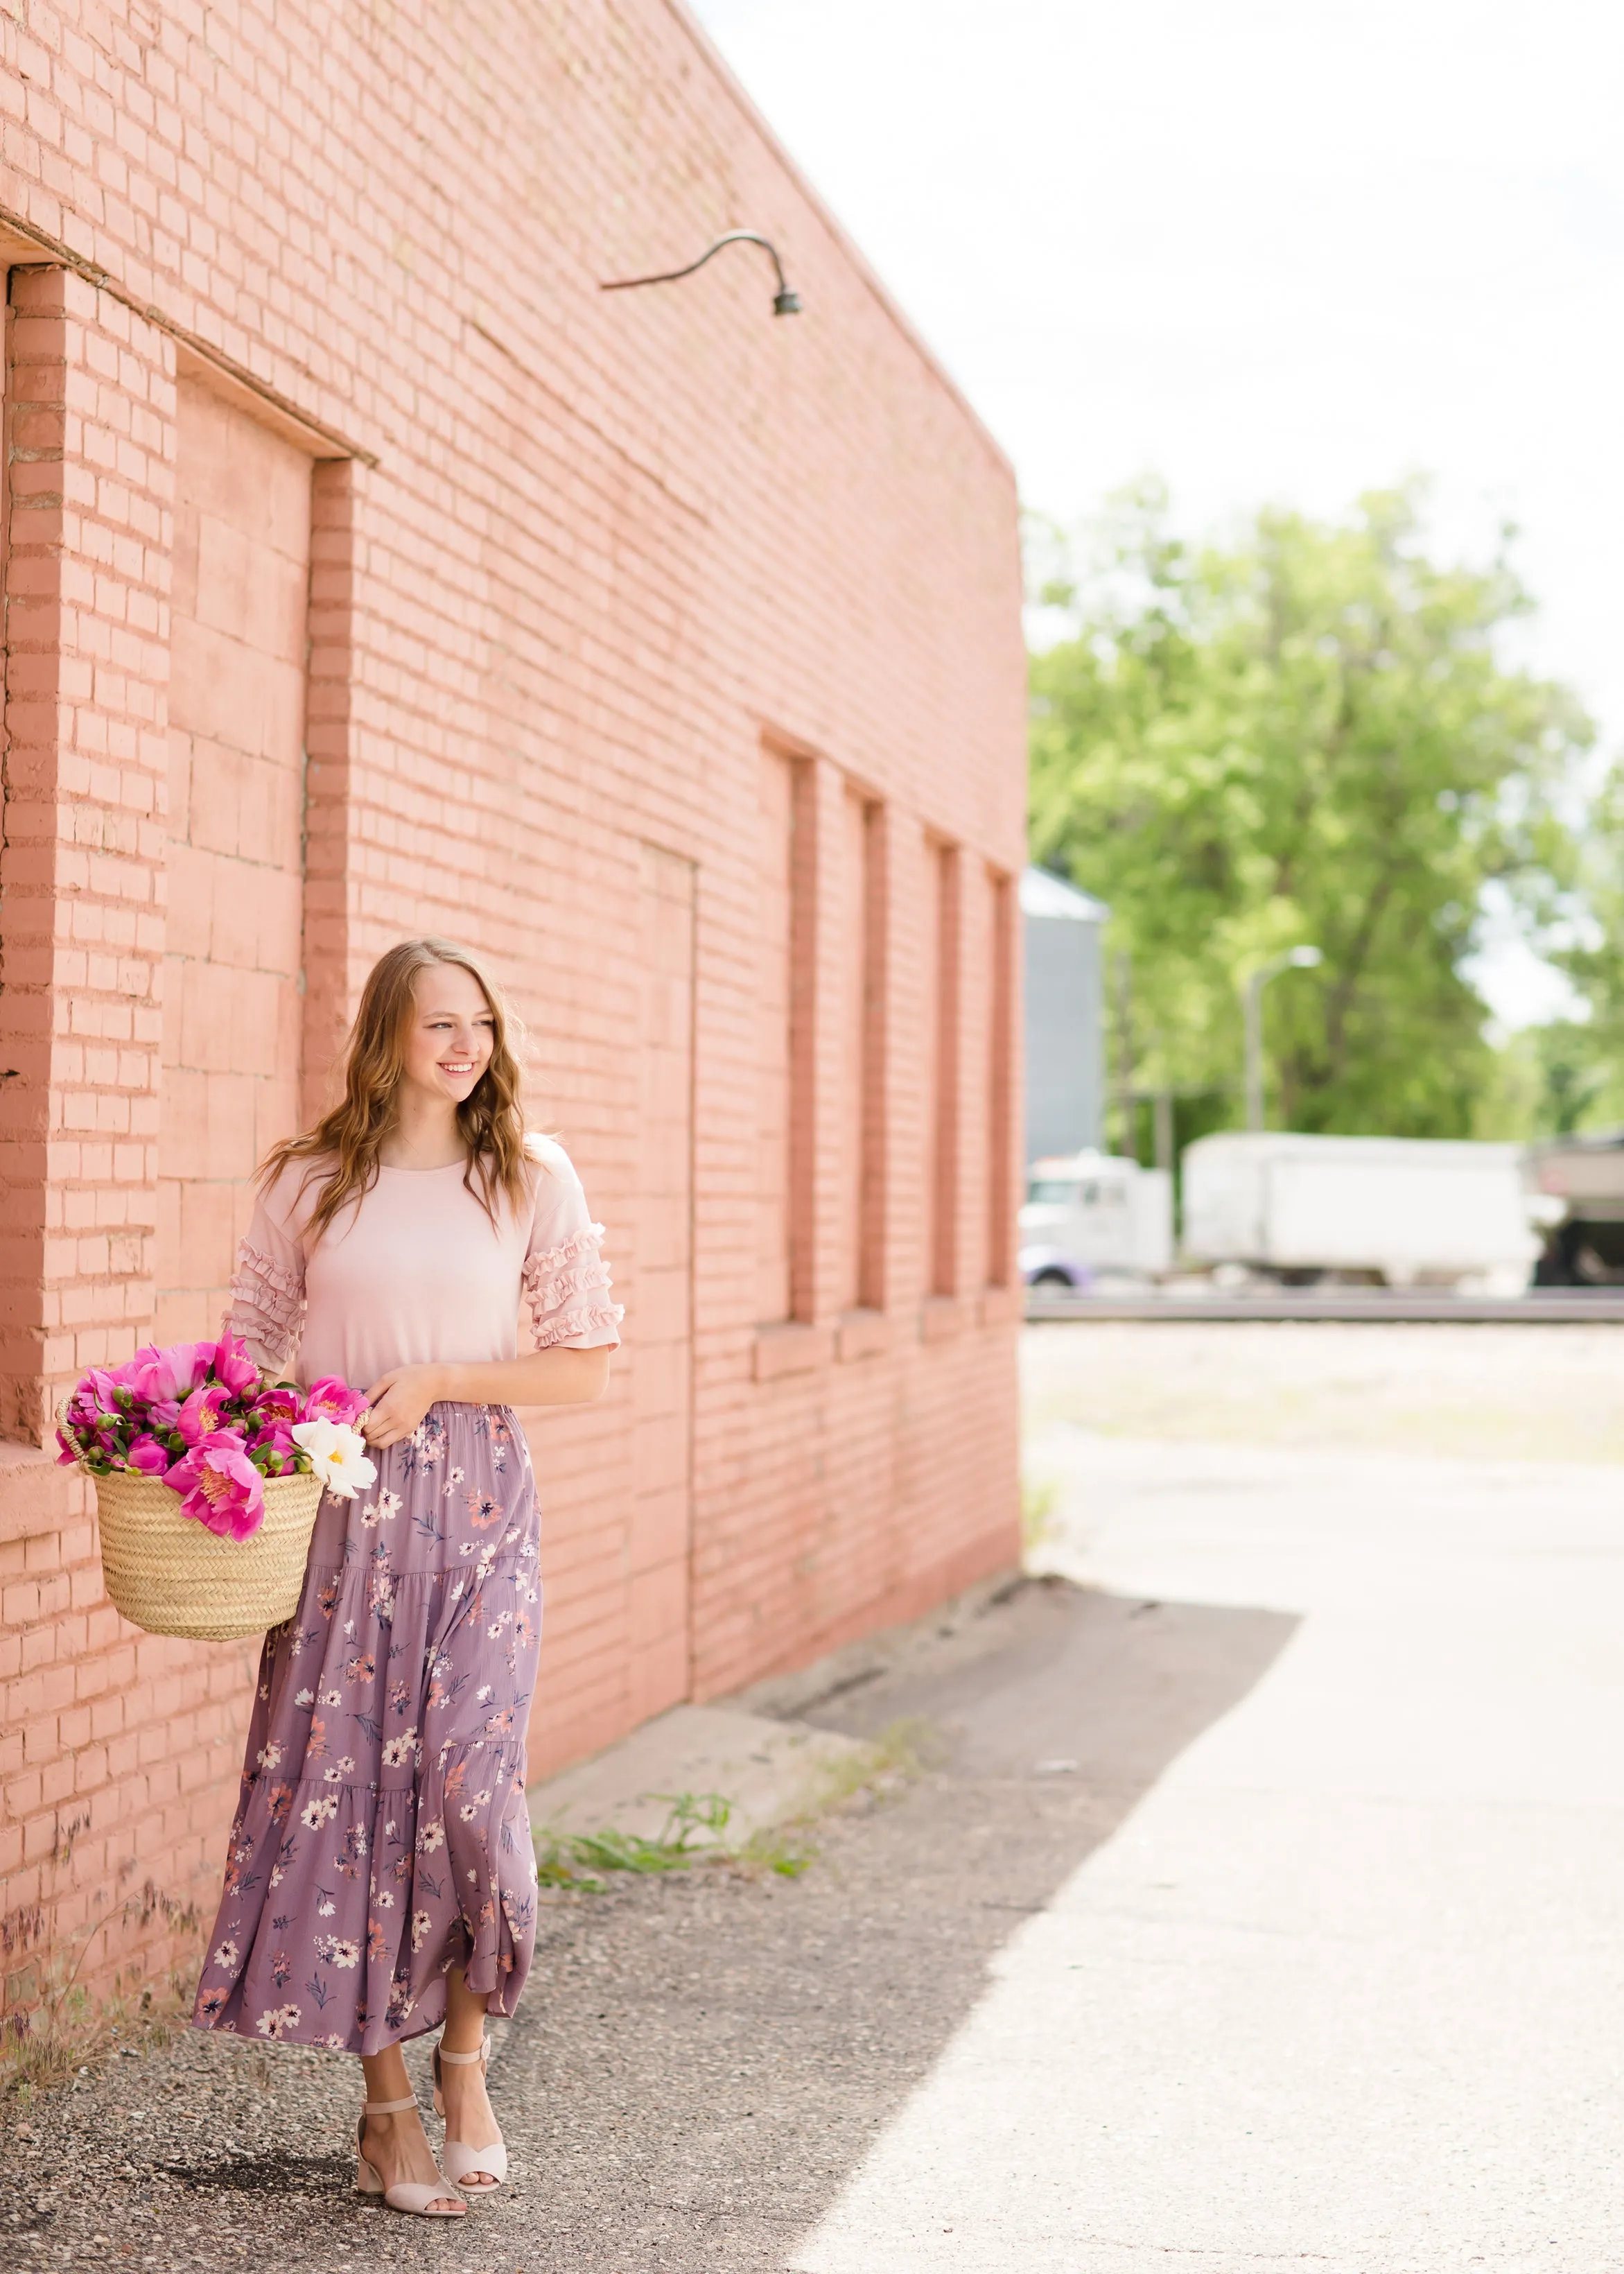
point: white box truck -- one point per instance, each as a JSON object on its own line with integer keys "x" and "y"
{"x": 1402, "y": 1210}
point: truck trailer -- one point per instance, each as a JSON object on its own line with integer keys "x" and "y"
{"x": 1393, "y": 1211}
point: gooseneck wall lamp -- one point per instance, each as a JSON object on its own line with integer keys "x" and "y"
{"x": 784, "y": 303}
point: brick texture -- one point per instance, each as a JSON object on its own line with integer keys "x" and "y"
{"x": 368, "y": 571}
{"x": 90, "y": 481}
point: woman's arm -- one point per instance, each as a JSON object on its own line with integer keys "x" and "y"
{"x": 398, "y": 1400}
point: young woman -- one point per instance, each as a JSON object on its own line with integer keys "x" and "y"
{"x": 381, "y": 1877}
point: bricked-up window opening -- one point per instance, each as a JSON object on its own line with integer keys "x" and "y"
{"x": 660, "y": 1228}
{"x": 942, "y": 1094}
{"x": 1000, "y": 1089}
{"x": 861, "y": 945}
{"x": 787, "y": 1009}
{"x": 234, "y": 839}
{"x": 803, "y": 1021}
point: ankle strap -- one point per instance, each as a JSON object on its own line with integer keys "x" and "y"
{"x": 387, "y": 2107}
{"x": 464, "y": 2061}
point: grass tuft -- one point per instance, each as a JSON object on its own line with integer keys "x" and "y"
{"x": 695, "y": 1831}
{"x": 1040, "y": 1497}
{"x": 692, "y": 1833}
{"x": 69, "y": 2033}
{"x": 67, "y": 2030}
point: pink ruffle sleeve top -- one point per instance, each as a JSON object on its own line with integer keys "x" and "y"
{"x": 418, "y": 1274}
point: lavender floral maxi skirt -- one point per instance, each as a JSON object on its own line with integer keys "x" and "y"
{"x": 381, "y": 1836}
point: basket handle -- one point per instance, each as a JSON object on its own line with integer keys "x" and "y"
{"x": 63, "y": 1404}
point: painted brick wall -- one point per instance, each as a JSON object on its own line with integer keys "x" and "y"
{"x": 297, "y": 275}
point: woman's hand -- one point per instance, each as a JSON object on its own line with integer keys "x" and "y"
{"x": 398, "y": 1400}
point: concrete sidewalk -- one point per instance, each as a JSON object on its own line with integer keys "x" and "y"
{"x": 1347, "y": 1989}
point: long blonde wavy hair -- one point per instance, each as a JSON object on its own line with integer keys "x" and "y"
{"x": 344, "y": 1147}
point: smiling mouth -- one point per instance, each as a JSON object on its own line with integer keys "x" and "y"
{"x": 458, "y": 1070}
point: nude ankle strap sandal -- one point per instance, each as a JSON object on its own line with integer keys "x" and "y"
{"x": 459, "y": 2158}
{"x": 406, "y": 2195}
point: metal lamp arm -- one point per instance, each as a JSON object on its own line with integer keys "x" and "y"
{"x": 784, "y": 303}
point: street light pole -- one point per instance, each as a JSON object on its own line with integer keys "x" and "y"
{"x": 1295, "y": 959}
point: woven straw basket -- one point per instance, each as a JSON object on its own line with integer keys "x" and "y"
{"x": 171, "y": 1575}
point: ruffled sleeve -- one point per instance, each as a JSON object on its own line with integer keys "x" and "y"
{"x": 565, "y": 1279}
{"x": 267, "y": 1288}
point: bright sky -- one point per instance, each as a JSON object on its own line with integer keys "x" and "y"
{"x": 1270, "y": 248}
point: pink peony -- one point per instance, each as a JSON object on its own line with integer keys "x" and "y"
{"x": 200, "y": 1416}
{"x": 180, "y": 1401}
{"x": 220, "y": 1486}
{"x": 148, "y": 1455}
{"x": 234, "y": 1368}
{"x": 102, "y": 1387}
{"x": 158, "y": 1376}
{"x": 333, "y": 1400}
{"x": 282, "y": 1402}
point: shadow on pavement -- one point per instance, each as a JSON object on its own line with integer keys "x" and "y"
{"x": 718, "y": 2057}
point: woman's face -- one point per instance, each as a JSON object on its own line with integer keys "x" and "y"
{"x": 449, "y": 1040}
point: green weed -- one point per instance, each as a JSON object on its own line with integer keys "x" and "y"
{"x": 1039, "y": 1498}
{"x": 65, "y": 2028}
{"x": 692, "y": 1833}
{"x": 696, "y": 1829}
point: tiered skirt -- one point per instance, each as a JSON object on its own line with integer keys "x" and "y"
{"x": 381, "y": 1837}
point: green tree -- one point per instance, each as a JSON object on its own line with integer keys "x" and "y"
{"x": 1579, "y": 1063}
{"x": 1309, "y": 737}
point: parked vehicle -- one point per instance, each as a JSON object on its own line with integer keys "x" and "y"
{"x": 1090, "y": 1215}
{"x": 1390, "y": 1210}
{"x": 1576, "y": 1195}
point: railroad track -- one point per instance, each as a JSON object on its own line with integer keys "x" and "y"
{"x": 1544, "y": 1306}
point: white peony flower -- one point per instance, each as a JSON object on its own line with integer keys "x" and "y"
{"x": 337, "y": 1455}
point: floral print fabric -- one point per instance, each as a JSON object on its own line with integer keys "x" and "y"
{"x": 381, "y": 1836}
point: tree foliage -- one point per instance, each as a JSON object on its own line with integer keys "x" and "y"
{"x": 1309, "y": 737}
{"x": 1578, "y": 1064}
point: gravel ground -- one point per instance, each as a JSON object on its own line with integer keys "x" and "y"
{"x": 1486, "y": 1393}
{"x": 703, "y": 2060}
